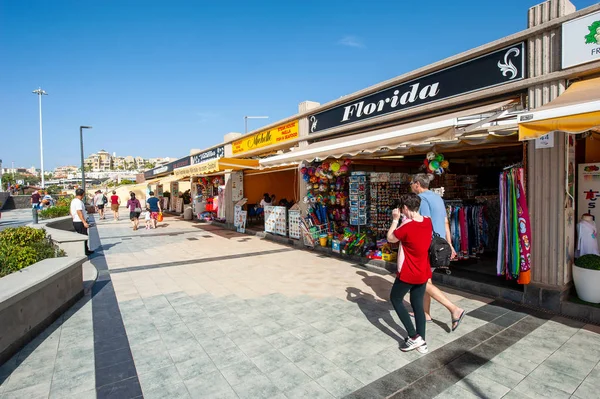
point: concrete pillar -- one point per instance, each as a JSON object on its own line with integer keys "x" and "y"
{"x": 546, "y": 169}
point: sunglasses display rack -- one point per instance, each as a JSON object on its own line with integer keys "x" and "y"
{"x": 385, "y": 192}
{"x": 359, "y": 187}
{"x": 294, "y": 218}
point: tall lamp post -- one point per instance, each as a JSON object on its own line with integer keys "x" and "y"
{"x": 82, "y": 162}
{"x": 251, "y": 117}
{"x": 41, "y": 93}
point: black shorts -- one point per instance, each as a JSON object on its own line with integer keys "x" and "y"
{"x": 134, "y": 215}
{"x": 101, "y": 206}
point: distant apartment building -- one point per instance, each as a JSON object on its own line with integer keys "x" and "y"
{"x": 63, "y": 172}
{"x": 104, "y": 161}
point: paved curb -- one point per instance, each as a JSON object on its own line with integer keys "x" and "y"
{"x": 90, "y": 275}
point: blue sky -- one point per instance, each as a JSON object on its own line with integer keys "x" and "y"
{"x": 156, "y": 78}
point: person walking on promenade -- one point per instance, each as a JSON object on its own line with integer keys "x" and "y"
{"x": 35, "y": 199}
{"x": 99, "y": 203}
{"x": 115, "y": 202}
{"x": 79, "y": 216}
{"x": 414, "y": 270}
{"x": 432, "y": 205}
{"x": 153, "y": 205}
{"x": 135, "y": 209}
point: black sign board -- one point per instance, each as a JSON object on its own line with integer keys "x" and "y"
{"x": 209, "y": 155}
{"x": 161, "y": 170}
{"x": 493, "y": 69}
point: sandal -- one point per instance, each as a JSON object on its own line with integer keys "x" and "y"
{"x": 457, "y": 321}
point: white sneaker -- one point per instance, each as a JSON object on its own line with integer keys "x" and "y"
{"x": 411, "y": 344}
{"x": 423, "y": 349}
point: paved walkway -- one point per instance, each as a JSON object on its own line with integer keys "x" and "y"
{"x": 191, "y": 310}
{"x": 15, "y": 218}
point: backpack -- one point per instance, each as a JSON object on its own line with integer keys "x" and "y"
{"x": 104, "y": 199}
{"x": 439, "y": 252}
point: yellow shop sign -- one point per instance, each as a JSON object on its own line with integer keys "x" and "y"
{"x": 276, "y": 135}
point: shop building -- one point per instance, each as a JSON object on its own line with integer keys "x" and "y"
{"x": 468, "y": 108}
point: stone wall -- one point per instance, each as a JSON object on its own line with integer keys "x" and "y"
{"x": 33, "y": 298}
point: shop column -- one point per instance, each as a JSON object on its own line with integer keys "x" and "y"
{"x": 552, "y": 233}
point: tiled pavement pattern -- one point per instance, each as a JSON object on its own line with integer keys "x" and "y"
{"x": 189, "y": 310}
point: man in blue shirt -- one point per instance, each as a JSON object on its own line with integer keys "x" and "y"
{"x": 432, "y": 205}
{"x": 154, "y": 207}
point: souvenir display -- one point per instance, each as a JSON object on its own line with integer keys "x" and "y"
{"x": 276, "y": 220}
{"x": 294, "y": 218}
{"x": 385, "y": 189}
{"x": 358, "y": 198}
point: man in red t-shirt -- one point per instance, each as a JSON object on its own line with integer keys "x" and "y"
{"x": 414, "y": 235}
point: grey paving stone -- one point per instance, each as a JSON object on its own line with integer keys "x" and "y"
{"x": 270, "y": 361}
{"x": 513, "y": 361}
{"x": 288, "y": 377}
{"x": 258, "y": 388}
{"x": 343, "y": 354}
{"x": 218, "y": 344}
{"x": 172, "y": 391}
{"x": 456, "y": 392}
{"x": 73, "y": 384}
{"x": 243, "y": 335}
{"x": 321, "y": 343}
{"x": 69, "y": 365}
{"x": 241, "y": 372}
{"x": 575, "y": 366}
{"x": 228, "y": 357}
{"x": 366, "y": 370}
{"x": 23, "y": 377}
{"x": 535, "y": 388}
{"x": 305, "y": 332}
{"x": 282, "y": 339}
{"x": 297, "y": 351}
{"x": 268, "y": 328}
{"x": 556, "y": 379}
{"x": 481, "y": 386}
{"x": 150, "y": 357}
{"x": 586, "y": 390}
{"x": 325, "y": 326}
{"x": 310, "y": 390}
{"x": 194, "y": 367}
{"x": 159, "y": 378}
{"x": 205, "y": 331}
{"x": 289, "y": 322}
{"x": 316, "y": 365}
{"x": 40, "y": 390}
{"x": 515, "y": 395}
{"x": 143, "y": 336}
{"x": 187, "y": 350}
{"x": 498, "y": 373}
{"x": 391, "y": 359}
{"x": 255, "y": 348}
{"x": 339, "y": 383}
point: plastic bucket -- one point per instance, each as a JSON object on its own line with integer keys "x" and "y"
{"x": 323, "y": 240}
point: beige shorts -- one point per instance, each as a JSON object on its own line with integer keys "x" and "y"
{"x": 114, "y": 207}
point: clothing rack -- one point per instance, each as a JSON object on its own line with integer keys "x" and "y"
{"x": 515, "y": 165}
{"x": 486, "y": 198}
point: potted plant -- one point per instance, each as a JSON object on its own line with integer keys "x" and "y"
{"x": 586, "y": 275}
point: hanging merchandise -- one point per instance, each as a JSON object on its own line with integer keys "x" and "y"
{"x": 468, "y": 228}
{"x": 514, "y": 238}
{"x": 435, "y": 163}
{"x": 385, "y": 190}
{"x": 358, "y": 198}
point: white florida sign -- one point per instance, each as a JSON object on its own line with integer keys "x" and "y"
{"x": 581, "y": 40}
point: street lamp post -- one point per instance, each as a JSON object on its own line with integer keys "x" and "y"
{"x": 82, "y": 161}
{"x": 41, "y": 93}
{"x": 251, "y": 117}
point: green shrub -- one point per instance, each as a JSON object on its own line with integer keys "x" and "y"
{"x": 23, "y": 246}
{"x": 590, "y": 261}
{"x": 21, "y": 236}
{"x": 64, "y": 200}
{"x": 55, "y": 212}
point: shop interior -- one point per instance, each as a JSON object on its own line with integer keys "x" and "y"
{"x": 350, "y": 200}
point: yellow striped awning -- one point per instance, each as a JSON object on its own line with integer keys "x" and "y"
{"x": 577, "y": 110}
{"x": 216, "y": 165}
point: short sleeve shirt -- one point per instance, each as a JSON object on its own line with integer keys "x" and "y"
{"x": 35, "y": 198}
{"x": 413, "y": 256}
{"x": 114, "y": 199}
{"x": 77, "y": 205}
{"x": 432, "y": 205}
{"x": 153, "y": 204}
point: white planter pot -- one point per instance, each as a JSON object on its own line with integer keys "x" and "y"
{"x": 587, "y": 284}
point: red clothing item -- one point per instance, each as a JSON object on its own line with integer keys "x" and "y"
{"x": 114, "y": 199}
{"x": 413, "y": 256}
